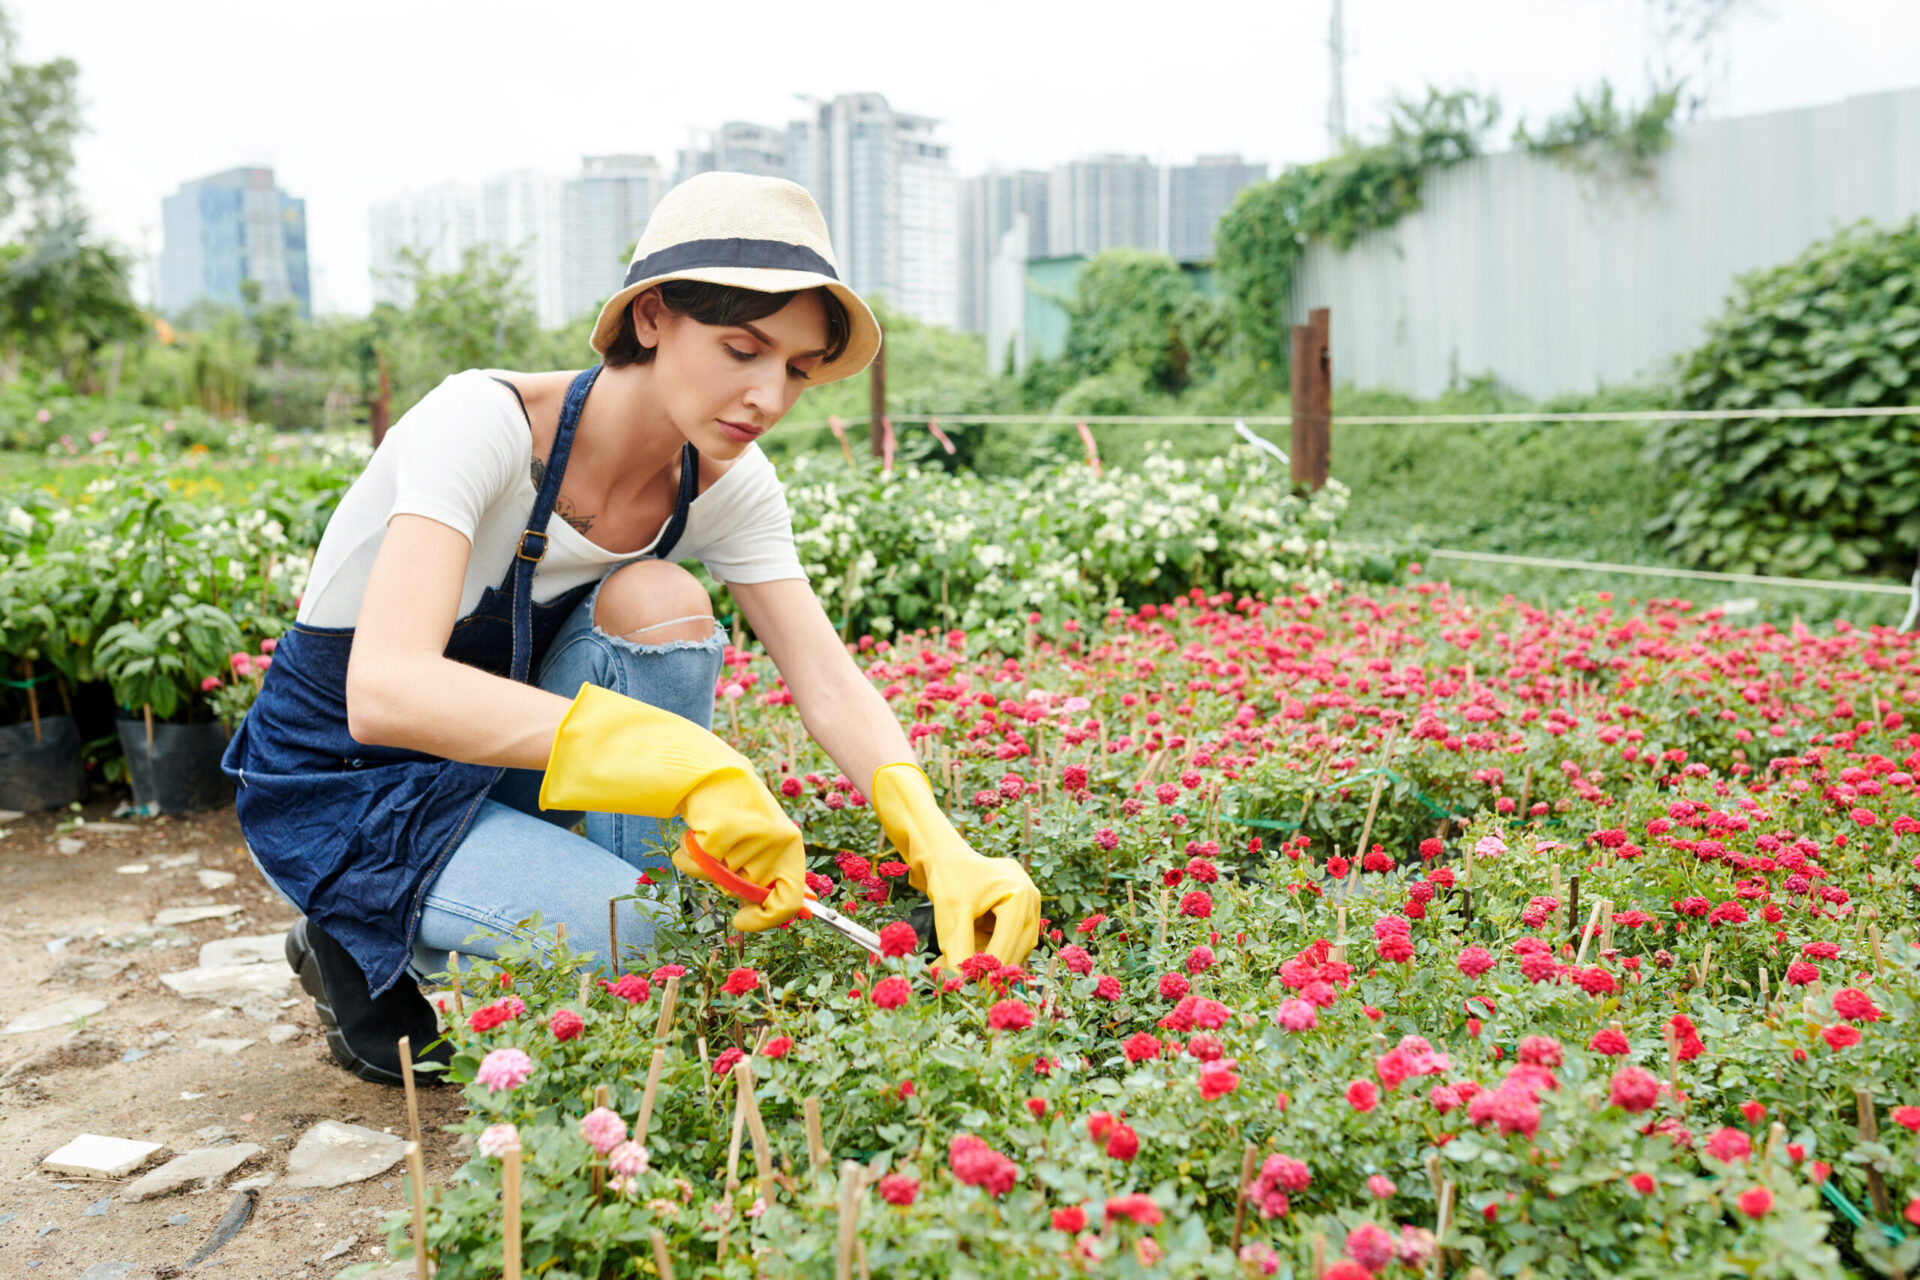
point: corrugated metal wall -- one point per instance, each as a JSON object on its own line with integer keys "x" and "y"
{"x": 1555, "y": 282}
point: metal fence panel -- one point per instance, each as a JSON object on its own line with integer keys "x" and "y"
{"x": 1554, "y": 281}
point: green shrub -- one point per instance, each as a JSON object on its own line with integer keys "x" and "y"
{"x": 1837, "y": 327}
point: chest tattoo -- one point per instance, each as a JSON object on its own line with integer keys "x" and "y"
{"x": 562, "y": 507}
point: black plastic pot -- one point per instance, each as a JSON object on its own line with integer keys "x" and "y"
{"x": 181, "y": 773}
{"x": 41, "y": 775}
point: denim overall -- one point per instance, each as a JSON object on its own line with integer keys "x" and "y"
{"x": 353, "y": 834}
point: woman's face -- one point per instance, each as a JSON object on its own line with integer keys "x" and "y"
{"x": 724, "y": 385}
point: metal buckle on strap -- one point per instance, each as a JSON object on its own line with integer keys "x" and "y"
{"x": 539, "y": 550}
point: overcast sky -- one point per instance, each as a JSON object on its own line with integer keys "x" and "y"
{"x": 352, "y": 101}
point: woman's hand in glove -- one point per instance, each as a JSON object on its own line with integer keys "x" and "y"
{"x": 979, "y": 903}
{"x": 615, "y": 754}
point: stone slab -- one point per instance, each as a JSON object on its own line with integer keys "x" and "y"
{"x": 214, "y": 879}
{"x": 229, "y": 980}
{"x": 108, "y": 1271}
{"x": 281, "y": 1032}
{"x": 204, "y": 1165}
{"x": 231, "y": 1047}
{"x": 332, "y": 1154}
{"x": 193, "y": 915}
{"x": 263, "y": 948}
{"x": 93, "y": 1156}
{"x": 58, "y": 1014}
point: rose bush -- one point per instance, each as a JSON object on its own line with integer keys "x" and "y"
{"x": 1616, "y": 1025}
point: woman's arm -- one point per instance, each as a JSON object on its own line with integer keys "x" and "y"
{"x": 839, "y": 706}
{"x": 402, "y": 691}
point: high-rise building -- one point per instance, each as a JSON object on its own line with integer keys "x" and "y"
{"x": 1197, "y": 194}
{"x": 520, "y": 212}
{"x": 602, "y": 213}
{"x": 439, "y": 224}
{"x": 735, "y": 147}
{"x": 989, "y": 203}
{"x": 231, "y": 227}
{"x": 885, "y": 184}
{"x": 1103, "y": 202}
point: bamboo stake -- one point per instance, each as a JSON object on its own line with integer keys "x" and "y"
{"x": 1573, "y": 900}
{"x": 1587, "y": 931}
{"x": 851, "y": 1177}
{"x": 1373, "y": 807}
{"x": 762, "y": 1145}
{"x": 597, "y": 1177}
{"x": 559, "y": 932}
{"x": 1339, "y": 950}
{"x": 706, "y": 1071}
{"x": 459, "y": 997}
{"x": 816, "y": 1146}
{"x": 147, "y": 708}
{"x": 1166, "y": 892}
{"x": 510, "y": 1179}
{"x": 613, "y": 935}
{"x": 33, "y": 699}
{"x": 1319, "y": 1256}
{"x": 416, "y": 1184}
{"x": 1870, "y": 1132}
{"x": 666, "y": 1007}
{"x": 646, "y": 1099}
{"x": 1673, "y": 1064}
{"x": 586, "y": 988}
{"x": 860, "y": 1257}
{"x": 1879, "y": 956}
{"x": 1249, "y": 1161}
{"x": 1606, "y": 925}
{"x": 1706, "y": 961}
{"x": 1775, "y": 1132}
{"x": 661, "y": 1262}
{"x": 733, "y": 1175}
{"x": 406, "y": 1078}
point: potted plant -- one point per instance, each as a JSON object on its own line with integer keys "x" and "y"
{"x": 172, "y": 738}
{"x": 40, "y": 764}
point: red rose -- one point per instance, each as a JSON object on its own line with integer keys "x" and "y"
{"x": 1362, "y": 1095}
{"x": 1122, "y": 1142}
{"x": 1038, "y": 1106}
{"x": 891, "y": 993}
{"x": 1009, "y": 1015}
{"x": 778, "y": 1047}
{"x": 1634, "y": 1089}
{"x": 566, "y": 1024}
{"x": 1070, "y": 1220}
{"x": 898, "y": 1188}
{"x": 1841, "y": 1035}
{"x": 1756, "y": 1202}
{"x": 741, "y": 981}
{"x": 899, "y": 939}
{"x": 1137, "y": 1207}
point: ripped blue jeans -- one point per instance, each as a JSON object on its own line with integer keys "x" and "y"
{"x": 517, "y": 859}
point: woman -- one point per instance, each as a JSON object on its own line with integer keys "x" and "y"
{"x": 467, "y": 678}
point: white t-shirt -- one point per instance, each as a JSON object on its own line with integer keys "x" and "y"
{"x": 463, "y": 456}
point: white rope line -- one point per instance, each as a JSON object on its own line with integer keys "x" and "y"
{"x": 1642, "y": 570}
{"x": 1379, "y": 420}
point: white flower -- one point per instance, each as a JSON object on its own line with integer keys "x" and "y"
{"x": 21, "y": 519}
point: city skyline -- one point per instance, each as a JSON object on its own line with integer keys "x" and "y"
{"x": 1016, "y": 87}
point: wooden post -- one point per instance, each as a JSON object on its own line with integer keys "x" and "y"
{"x": 1373, "y": 807}
{"x": 661, "y": 1262}
{"x": 613, "y": 936}
{"x": 598, "y": 1177}
{"x": 816, "y": 1145}
{"x": 877, "y": 400}
{"x": 417, "y": 1176}
{"x": 666, "y": 1007}
{"x": 646, "y": 1099}
{"x": 1249, "y": 1162}
{"x": 1870, "y": 1132}
{"x": 750, "y": 1105}
{"x": 510, "y": 1228}
{"x": 406, "y": 1078}
{"x": 1312, "y": 370}
{"x": 852, "y": 1175}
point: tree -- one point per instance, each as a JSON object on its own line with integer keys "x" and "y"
{"x": 39, "y": 119}
{"x": 63, "y": 298}
{"x": 1138, "y": 308}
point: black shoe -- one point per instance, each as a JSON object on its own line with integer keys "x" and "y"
{"x": 362, "y": 1032}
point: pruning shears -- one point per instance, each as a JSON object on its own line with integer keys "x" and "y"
{"x": 811, "y": 908}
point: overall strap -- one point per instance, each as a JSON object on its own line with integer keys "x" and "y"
{"x": 689, "y": 489}
{"x": 533, "y": 541}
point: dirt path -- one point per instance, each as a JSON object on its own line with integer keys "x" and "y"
{"x": 77, "y": 923}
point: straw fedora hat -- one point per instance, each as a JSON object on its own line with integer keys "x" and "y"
{"x": 750, "y": 232}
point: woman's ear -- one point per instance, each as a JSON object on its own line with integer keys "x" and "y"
{"x": 645, "y": 308}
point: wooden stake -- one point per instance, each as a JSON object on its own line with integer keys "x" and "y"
{"x": 646, "y": 1099}
{"x": 666, "y": 1007}
{"x": 459, "y": 997}
{"x": 586, "y": 989}
{"x": 1870, "y": 1132}
{"x": 510, "y": 1229}
{"x": 816, "y": 1146}
{"x": 1775, "y": 1132}
{"x": 661, "y": 1262}
{"x": 33, "y": 699}
{"x": 1706, "y": 962}
{"x": 1319, "y": 1256}
{"x": 1879, "y": 956}
{"x": 406, "y": 1078}
{"x": 852, "y": 1176}
{"x": 1373, "y": 807}
{"x": 1587, "y": 931}
{"x": 1673, "y": 1063}
{"x": 1573, "y": 900}
{"x": 706, "y": 1071}
{"x": 1166, "y": 892}
{"x": 597, "y": 1177}
{"x": 416, "y": 1191}
{"x": 1339, "y": 949}
{"x": 1249, "y": 1161}
{"x": 559, "y": 933}
{"x": 762, "y": 1145}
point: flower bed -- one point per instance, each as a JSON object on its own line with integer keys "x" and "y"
{"x": 1621, "y": 982}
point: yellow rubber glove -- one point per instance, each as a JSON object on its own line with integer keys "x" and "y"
{"x": 979, "y": 903}
{"x": 615, "y": 754}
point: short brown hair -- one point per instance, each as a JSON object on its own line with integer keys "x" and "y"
{"x": 719, "y": 305}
